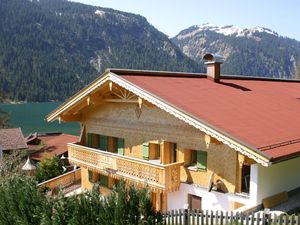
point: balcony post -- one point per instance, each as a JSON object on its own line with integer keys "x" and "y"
{"x": 240, "y": 163}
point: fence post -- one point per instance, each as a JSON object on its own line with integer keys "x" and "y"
{"x": 266, "y": 215}
{"x": 293, "y": 219}
{"x": 180, "y": 216}
{"x": 186, "y": 215}
{"x": 172, "y": 216}
{"x": 176, "y": 217}
{"x": 221, "y": 218}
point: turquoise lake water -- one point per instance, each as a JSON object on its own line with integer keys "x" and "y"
{"x": 31, "y": 118}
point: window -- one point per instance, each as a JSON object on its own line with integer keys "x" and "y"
{"x": 120, "y": 146}
{"x": 193, "y": 157}
{"x": 174, "y": 153}
{"x": 90, "y": 140}
{"x": 198, "y": 160}
{"x": 146, "y": 150}
{"x": 195, "y": 202}
{"x": 245, "y": 179}
{"x": 90, "y": 173}
{"x": 93, "y": 177}
{"x": 201, "y": 160}
{"x": 103, "y": 180}
{"x": 103, "y": 142}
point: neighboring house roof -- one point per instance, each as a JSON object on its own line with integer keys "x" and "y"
{"x": 51, "y": 145}
{"x": 31, "y": 137}
{"x": 255, "y": 116}
{"x": 12, "y": 139}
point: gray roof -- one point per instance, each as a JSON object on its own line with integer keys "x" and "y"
{"x": 12, "y": 139}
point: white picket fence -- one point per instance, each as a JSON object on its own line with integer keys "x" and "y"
{"x": 198, "y": 217}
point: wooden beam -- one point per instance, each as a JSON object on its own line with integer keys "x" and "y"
{"x": 76, "y": 107}
{"x": 91, "y": 100}
{"x": 71, "y": 118}
{"x": 120, "y": 100}
{"x": 208, "y": 139}
{"x": 96, "y": 98}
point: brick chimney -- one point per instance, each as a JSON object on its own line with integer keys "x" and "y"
{"x": 213, "y": 63}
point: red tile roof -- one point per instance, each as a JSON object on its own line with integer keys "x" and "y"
{"x": 264, "y": 114}
{"x": 12, "y": 139}
{"x": 53, "y": 145}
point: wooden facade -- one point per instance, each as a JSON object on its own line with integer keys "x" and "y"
{"x": 157, "y": 151}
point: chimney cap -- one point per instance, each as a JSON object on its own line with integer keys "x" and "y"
{"x": 211, "y": 58}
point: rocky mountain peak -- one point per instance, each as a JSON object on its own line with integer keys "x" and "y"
{"x": 228, "y": 30}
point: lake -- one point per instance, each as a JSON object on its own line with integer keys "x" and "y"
{"x": 31, "y": 118}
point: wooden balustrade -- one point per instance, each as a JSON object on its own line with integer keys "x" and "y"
{"x": 158, "y": 177}
{"x": 64, "y": 180}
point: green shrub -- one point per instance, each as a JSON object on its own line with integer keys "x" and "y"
{"x": 23, "y": 204}
{"x": 49, "y": 168}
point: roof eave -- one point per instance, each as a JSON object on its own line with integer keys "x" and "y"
{"x": 76, "y": 97}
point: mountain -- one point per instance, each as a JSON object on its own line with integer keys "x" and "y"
{"x": 51, "y": 48}
{"x": 256, "y": 51}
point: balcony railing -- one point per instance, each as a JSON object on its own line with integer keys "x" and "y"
{"x": 69, "y": 182}
{"x": 158, "y": 177}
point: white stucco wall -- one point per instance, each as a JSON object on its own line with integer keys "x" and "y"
{"x": 271, "y": 180}
{"x": 264, "y": 182}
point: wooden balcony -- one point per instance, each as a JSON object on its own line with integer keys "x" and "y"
{"x": 159, "y": 177}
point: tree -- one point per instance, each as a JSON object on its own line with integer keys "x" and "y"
{"x": 49, "y": 168}
{"x": 12, "y": 163}
{"x": 21, "y": 202}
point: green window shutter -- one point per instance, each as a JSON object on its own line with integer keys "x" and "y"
{"x": 202, "y": 160}
{"x": 90, "y": 176}
{"x": 104, "y": 180}
{"x": 120, "y": 144}
{"x": 103, "y": 142}
{"x": 146, "y": 150}
{"x": 90, "y": 140}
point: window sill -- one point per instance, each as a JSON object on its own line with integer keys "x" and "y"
{"x": 195, "y": 168}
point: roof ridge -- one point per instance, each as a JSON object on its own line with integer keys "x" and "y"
{"x": 241, "y": 77}
{"x": 132, "y": 72}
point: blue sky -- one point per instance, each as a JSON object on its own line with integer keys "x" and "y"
{"x": 172, "y": 16}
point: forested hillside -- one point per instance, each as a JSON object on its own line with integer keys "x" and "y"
{"x": 51, "y": 48}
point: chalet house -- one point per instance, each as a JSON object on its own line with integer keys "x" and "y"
{"x": 205, "y": 141}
